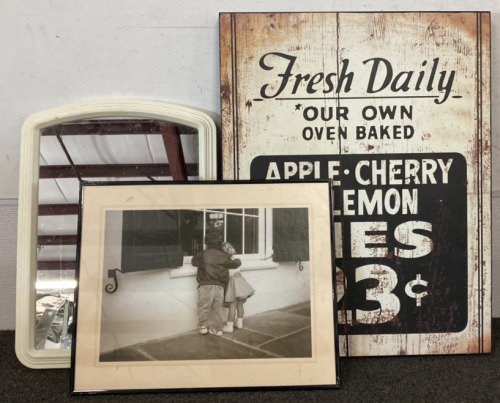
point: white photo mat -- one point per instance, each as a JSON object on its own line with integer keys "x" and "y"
{"x": 90, "y": 375}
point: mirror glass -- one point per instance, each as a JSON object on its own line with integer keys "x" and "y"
{"x": 105, "y": 141}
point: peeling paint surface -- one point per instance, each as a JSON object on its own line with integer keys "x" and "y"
{"x": 394, "y": 108}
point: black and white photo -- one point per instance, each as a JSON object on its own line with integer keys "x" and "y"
{"x": 230, "y": 280}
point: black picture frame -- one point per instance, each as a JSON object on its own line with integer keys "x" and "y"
{"x": 305, "y": 355}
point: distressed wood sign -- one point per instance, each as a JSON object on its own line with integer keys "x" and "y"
{"x": 394, "y": 108}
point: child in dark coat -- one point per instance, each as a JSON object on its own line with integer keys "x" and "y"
{"x": 212, "y": 276}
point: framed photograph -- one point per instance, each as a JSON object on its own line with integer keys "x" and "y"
{"x": 104, "y": 140}
{"x": 206, "y": 286}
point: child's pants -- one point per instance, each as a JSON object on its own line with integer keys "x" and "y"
{"x": 210, "y": 298}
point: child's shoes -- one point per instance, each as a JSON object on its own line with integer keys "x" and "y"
{"x": 203, "y": 330}
{"x": 239, "y": 323}
{"x": 228, "y": 327}
{"x": 215, "y": 332}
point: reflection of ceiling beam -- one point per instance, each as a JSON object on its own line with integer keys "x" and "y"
{"x": 56, "y": 265}
{"x": 112, "y": 171}
{"x": 176, "y": 168}
{"x": 57, "y": 209}
{"x": 111, "y": 127}
{"x": 173, "y": 148}
{"x": 57, "y": 239}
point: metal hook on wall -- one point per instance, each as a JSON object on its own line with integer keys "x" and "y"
{"x": 111, "y": 288}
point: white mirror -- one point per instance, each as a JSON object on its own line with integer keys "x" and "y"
{"x": 98, "y": 141}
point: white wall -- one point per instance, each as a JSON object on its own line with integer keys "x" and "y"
{"x": 56, "y": 52}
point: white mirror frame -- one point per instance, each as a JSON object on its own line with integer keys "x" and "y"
{"x": 26, "y": 352}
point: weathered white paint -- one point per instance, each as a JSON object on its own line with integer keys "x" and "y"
{"x": 63, "y": 52}
{"x": 270, "y": 115}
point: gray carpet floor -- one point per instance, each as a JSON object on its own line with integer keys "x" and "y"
{"x": 463, "y": 378}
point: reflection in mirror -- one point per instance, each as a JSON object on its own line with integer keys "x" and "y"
{"x": 97, "y": 149}
{"x": 96, "y": 145}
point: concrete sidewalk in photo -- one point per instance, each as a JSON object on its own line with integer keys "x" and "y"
{"x": 280, "y": 333}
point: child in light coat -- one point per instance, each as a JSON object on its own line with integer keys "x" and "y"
{"x": 238, "y": 290}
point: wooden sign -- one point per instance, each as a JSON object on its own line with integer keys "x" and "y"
{"x": 394, "y": 108}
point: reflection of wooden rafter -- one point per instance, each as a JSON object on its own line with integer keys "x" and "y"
{"x": 57, "y": 239}
{"x": 57, "y": 209}
{"x": 175, "y": 168}
{"x": 116, "y": 171}
{"x": 173, "y": 148}
{"x": 111, "y": 127}
{"x": 56, "y": 265}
